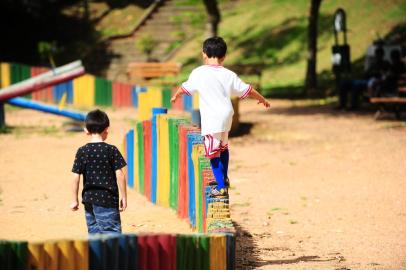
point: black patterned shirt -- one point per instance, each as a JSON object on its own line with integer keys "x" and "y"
{"x": 98, "y": 162}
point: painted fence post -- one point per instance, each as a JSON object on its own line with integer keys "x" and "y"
{"x": 130, "y": 157}
{"x": 154, "y": 152}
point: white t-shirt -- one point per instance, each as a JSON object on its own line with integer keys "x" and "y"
{"x": 215, "y": 85}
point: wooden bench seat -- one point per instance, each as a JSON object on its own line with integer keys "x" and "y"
{"x": 395, "y": 104}
{"x": 392, "y": 104}
{"x": 144, "y": 71}
{"x": 388, "y": 100}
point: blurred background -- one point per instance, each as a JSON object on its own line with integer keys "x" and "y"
{"x": 269, "y": 41}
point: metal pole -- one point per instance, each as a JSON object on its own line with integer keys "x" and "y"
{"x": 2, "y": 116}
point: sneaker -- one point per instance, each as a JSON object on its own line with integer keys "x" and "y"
{"x": 226, "y": 182}
{"x": 214, "y": 192}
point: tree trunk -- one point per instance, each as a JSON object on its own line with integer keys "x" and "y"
{"x": 311, "y": 73}
{"x": 86, "y": 13}
{"x": 214, "y": 17}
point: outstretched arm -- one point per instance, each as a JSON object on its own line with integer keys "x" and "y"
{"x": 256, "y": 95}
{"x": 122, "y": 186}
{"x": 178, "y": 94}
{"x": 75, "y": 189}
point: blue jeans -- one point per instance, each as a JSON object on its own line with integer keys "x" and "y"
{"x": 101, "y": 219}
{"x": 355, "y": 88}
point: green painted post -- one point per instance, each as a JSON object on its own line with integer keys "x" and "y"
{"x": 19, "y": 258}
{"x": 203, "y": 252}
{"x": 103, "y": 92}
{"x": 5, "y": 255}
{"x": 140, "y": 157}
{"x": 166, "y": 97}
{"x": 25, "y": 73}
{"x": 174, "y": 160}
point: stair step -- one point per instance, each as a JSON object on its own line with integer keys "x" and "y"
{"x": 165, "y": 25}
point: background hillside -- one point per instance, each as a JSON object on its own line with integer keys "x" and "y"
{"x": 271, "y": 33}
{"x": 274, "y": 33}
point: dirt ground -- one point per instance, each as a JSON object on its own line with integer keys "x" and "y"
{"x": 312, "y": 188}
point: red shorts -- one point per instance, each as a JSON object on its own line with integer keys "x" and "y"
{"x": 215, "y": 143}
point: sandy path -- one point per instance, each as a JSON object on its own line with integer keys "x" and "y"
{"x": 310, "y": 189}
{"x": 313, "y": 190}
{"x": 35, "y": 163}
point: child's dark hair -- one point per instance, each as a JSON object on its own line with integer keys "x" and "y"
{"x": 97, "y": 121}
{"x": 215, "y": 47}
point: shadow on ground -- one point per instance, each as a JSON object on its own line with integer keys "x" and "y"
{"x": 243, "y": 129}
{"x": 248, "y": 254}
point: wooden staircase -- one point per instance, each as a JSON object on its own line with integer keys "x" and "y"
{"x": 169, "y": 24}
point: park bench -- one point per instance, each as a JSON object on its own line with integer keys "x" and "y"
{"x": 142, "y": 72}
{"x": 395, "y": 104}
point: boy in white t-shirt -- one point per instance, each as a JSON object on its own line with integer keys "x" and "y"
{"x": 215, "y": 85}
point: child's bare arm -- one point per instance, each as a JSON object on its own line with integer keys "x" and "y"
{"x": 256, "y": 95}
{"x": 178, "y": 93}
{"x": 75, "y": 189}
{"x": 122, "y": 186}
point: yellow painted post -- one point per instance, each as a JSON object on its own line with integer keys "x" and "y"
{"x": 81, "y": 254}
{"x": 135, "y": 158}
{"x": 77, "y": 92}
{"x": 163, "y": 161}
{"x": 66, "y": 256}
{"x": 51, "y": 255}
{"x": 36, "y": 256}
{"x": 84, "y": 91}
{"x": 218, "y": 260}
{"x": 148, "y": 100}
{"x": 196, "y": 152}
{"x": 155, "y": 97}
{"x": 90, "y": 90}
{"x": 5, "y": 75}
{"x": 195, "y": 101}
{"x": 144, "y": 113}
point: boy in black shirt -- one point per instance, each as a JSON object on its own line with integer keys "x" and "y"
{"x": 101, "y": 166}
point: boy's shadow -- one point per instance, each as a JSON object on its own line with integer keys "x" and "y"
{"x": 244, "y": 128}
{"x": 247, "y": 254}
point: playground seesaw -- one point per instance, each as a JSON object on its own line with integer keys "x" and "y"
{"x": 56, "y": 76}
{"x": 38, "y": 106}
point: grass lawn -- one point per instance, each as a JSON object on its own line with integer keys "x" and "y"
{"x": 276, "y": 35}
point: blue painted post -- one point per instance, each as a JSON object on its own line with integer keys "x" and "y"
{"x": 56, "y": 92}
{"x": 112, "y": 254}
{"x": 132, "y": 244}
{"x": 154, "y": 165}
{"x": 97, "y": 254}
{"x": 230, "y": 238}
{"x": 123, "y": 252}
{"x": 187, "y": 103}
{"x": 130, "y": 157}
{"x": 69, "y": 90}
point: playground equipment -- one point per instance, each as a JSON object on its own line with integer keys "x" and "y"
{"x": 58, "y": 75}
{"x": 50, "y": 78}
{"x": 341, "y": 52}
{"x": 29, "y": 104}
